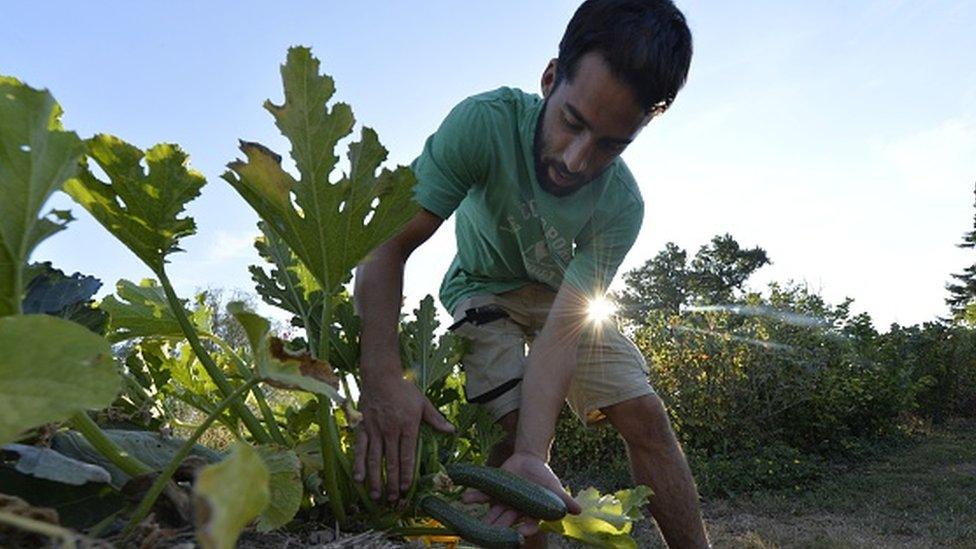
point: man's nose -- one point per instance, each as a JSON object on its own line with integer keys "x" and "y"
{"x": 577, "y": 154}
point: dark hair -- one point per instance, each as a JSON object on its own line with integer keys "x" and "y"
{"x": 646, "y": 43}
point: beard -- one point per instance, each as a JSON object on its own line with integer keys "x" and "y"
{"x": 542, "y": 164}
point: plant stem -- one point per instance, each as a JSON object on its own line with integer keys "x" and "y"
{"x": 258, "y": 393}
{"x": 327, "y": 426}
{"x": 84, "y": 424}
{"x": 160, "y": 483}
{"x": 252, "y": 423}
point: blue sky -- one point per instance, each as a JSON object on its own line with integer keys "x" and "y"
{"x": 840, "y": 136}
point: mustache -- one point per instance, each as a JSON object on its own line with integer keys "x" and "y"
{"x": 561, "y": 169}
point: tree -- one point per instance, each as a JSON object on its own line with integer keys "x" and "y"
{"x": 668, "y": 281}
{"x": 721, "y": 267}
{"x": 962, "y": 293}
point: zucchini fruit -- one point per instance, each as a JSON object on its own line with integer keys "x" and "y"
{"x": 510, "y": 489}
{"x": 468, "y": 527}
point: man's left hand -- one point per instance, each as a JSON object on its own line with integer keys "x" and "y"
{"x": 533, "y": 469}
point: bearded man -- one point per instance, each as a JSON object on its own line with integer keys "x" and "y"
{"x": 545, "y": 211}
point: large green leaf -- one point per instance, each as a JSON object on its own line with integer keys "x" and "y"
{"x": 228, "y": 495}
{"x": 141, "y": 310}
{"x": 50, "y": 369}
{"x": 142, "y": 209}
{"x": 330, "y": 226}
{"x": 290, "y": 372}
{"x": 36, "y": 158}
{"x": 606, "y": 520}
{"x": 285, "y": 485}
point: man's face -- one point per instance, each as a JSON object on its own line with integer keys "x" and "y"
{"x": 586, "y": 123}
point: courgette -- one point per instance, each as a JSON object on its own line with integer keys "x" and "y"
{"x": 510, "y": 489}
{"x": 468, "y": 527}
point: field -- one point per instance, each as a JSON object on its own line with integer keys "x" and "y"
{"x": 918, "y": 494}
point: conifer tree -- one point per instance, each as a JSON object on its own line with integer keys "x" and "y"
{"x": 962, "y": 292}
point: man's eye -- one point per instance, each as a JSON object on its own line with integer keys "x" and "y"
{"x": 572, "y": 125}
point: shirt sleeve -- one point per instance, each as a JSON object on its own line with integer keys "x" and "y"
{"x": 454, "y": 158}
{"x": 601, "y": 249}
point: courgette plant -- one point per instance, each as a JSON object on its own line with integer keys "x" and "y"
{"x": 315, "y": 228}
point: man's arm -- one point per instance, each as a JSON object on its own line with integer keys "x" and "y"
{"x": 548, "y": 371}
{"x": 544, "y": 387}
{"x": 392, "y": 406}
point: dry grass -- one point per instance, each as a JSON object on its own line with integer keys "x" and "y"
{"x": 920, "y": 495}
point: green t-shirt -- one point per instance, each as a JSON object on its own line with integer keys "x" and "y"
{"x": 479, "y": 166}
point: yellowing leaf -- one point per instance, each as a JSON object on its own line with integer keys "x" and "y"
{"x": 290, "y": 372}
{"x": 142, "y": 209}
{"x": 229, "y": 495}
{"x": 606, "y": 520}
{"x": 50, "y": 369}
{"x": 330, "y": 226}
{"x": 36, "y": 158}
{"x": 285, "y": 485}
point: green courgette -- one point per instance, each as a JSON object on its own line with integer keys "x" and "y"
{"x": 468, "y": 527}
{"x": 505, "y": 487}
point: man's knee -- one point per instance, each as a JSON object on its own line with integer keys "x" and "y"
{"x": 643, "y": 422}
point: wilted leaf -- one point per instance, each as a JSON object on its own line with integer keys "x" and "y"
{"x": 274, "y": 365}
{"x": 285, "y": 485}
{"x": 51, "y": 292}
{"x": 334, "y": 225}
{"x": 50, "y": 369}
{"x": 606, "y": 520}
{"x": 229, "y": 495}
{"x": 142, "y": 209}
{"x": 36, "y": 158}
{"x": 152, "y": 449}
{"x": 49, "y": 464}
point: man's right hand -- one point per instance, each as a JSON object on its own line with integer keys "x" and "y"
{"x": 392, "y": 410}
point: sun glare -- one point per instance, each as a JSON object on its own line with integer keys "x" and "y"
{"x": 600, "y": 309}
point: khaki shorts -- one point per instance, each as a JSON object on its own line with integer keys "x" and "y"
{"x": 610, "y": 369}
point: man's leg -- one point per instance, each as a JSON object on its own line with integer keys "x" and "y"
{"x": 502, "y": 451}
{"x": 656, "y": 460}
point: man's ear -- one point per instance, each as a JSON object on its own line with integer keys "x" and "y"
{"x": 549, "y": 78}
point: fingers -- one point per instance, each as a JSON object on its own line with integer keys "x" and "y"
{"x": 530, "y": 527}
{"x": 435, "y": 419}
{"x": 374, "y": 461}
{"x": 572, "y": 506}
{"x": 391, "y": 450}
{"x": 496, "y": 511}
{"x": 408, "y": 445}
{"x": 506, "y": 518}
{"x": 474, "y": 496}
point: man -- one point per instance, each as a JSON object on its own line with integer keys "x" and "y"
{"x": 545, "y": 213}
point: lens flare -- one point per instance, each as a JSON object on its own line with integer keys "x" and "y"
{"x": 600, "y": 309}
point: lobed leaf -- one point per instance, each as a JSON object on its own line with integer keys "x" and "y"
{"x": 36, "y": 157}
{"x": 606, "y": 520}
{"x": 330, "y": 226}
{"x": 290, "y": 285}
{"x": 229, "y": 495}
{"x": 424, "y": 361}
{"x": 140, "y": 208}
{"x": 50, "y": 369}
{"x": 141, "y": 310}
